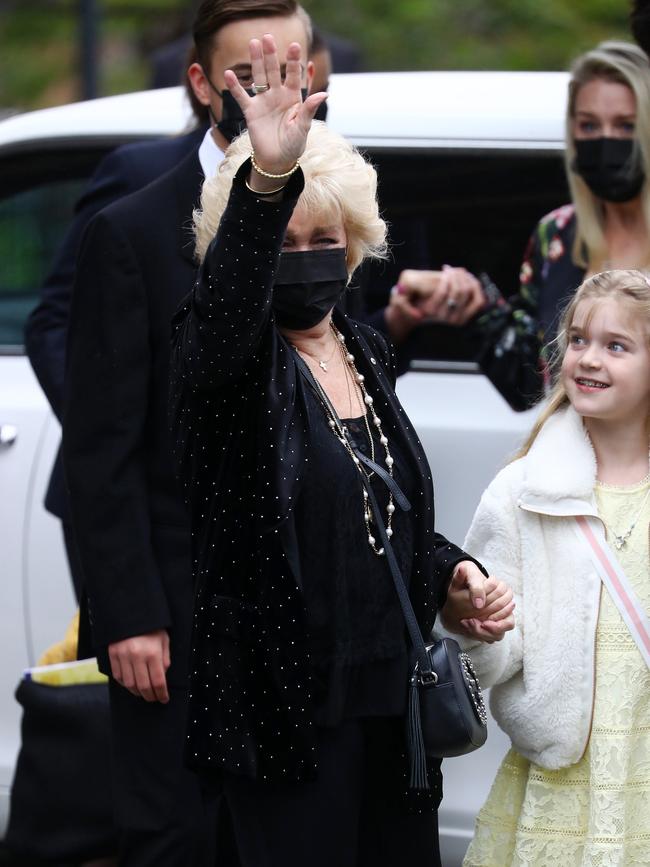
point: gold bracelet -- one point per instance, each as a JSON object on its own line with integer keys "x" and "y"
{"x": 266, "y": 192}
{"x": 270, "y": 174}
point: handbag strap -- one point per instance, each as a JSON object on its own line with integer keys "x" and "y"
{"x": 425, "y": 672}
{"x": 618, "y": 584}
{"x": 387, "y": 479}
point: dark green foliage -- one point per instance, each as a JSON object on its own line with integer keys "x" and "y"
{"x": 38, "y": 47}
{"x": 473, "y": 34}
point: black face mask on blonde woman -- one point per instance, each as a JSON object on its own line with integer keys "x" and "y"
{"x": 610, "y": 167}
{"x": 307, "y": 286}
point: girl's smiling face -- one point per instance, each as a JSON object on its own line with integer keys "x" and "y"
{"x": 606, "y": 366}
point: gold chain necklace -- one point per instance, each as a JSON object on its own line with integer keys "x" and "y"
{"x": 340, "y": 431}
{"x": 359, "y": 394}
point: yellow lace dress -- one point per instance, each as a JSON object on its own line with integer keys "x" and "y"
{"x": 595, "y": 813}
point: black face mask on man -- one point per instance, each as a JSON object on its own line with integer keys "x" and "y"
{"x": 233, "y": 122}
{"x": 308, "y": 284}
{"x": 610, "y": 167}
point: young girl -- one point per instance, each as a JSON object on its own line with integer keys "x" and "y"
{"x": 571, "y": 686}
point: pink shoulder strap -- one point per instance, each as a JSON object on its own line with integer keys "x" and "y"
{"x": 617, "y": 583}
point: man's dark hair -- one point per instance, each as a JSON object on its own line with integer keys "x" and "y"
{"x": 213, "y": 15}
{"x": 640, "y": 23}
{"x": 318, "y": 41}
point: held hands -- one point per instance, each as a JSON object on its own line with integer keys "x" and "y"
{"x": 139, "y": 664}
{"x": 452, "y": 296}
{"x": 277, "y": 119}
{"x": 478, "y": 607}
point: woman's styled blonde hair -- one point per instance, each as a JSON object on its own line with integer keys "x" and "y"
{"x": 339, "y": 185}
{"x": 628, "y": 287}
{"x": 623, "y": 63}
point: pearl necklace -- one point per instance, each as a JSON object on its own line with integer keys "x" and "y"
{"x": 341, "y": 432}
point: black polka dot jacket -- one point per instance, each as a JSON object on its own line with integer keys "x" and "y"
{"x": 241, "y": 440}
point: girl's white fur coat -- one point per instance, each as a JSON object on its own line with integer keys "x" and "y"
{"x": 523, "y": 532}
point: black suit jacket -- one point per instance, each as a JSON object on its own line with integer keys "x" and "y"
{"x": 123, "y": 171}
{"x": 135, "y": 266}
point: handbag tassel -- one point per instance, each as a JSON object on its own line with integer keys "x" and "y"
{"x": 415, "y": 741}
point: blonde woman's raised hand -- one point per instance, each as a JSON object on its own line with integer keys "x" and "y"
{"x": 277, "y": 119}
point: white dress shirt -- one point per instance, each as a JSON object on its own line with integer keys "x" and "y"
{"x": 210, "y": 155}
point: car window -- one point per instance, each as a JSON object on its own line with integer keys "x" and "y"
{"x": 38, "y": 192}
{"x": 472, "y": 208}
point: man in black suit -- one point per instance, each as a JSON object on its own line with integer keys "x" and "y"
{"x": 124, "y": 170}
{"x": 130, "y": 525}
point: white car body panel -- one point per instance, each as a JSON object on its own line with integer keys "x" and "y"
{"x": 468, "y": 433}
{"x": 135, "y": 115}
{"x": 463, "y": 109}
{"x": 467, "y": 429}
{"x": 35, "y": 593}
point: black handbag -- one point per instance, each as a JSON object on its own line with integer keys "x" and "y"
{"x": 446, "y": 713}
{"x": 61, "y": 800}
{"x": 459, "y": 723}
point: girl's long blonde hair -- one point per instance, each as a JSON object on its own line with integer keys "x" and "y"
{"x": 623, "y": 63}
{"x": 629, "y": 287}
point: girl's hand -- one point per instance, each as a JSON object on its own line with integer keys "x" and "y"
{"x": 488, "y": 631}
{"x": 277, "y": 120}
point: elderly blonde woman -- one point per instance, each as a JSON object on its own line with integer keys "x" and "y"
{"x": 280, "y": 409}
{"x": 606, "y": 225}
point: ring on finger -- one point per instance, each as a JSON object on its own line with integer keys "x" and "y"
{"x": 260, "y": 88}
{"x": 451, "y": 304}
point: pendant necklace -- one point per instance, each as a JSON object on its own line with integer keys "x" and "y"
{"x": 620, "y": 539}
{"x": 322, "y": 362}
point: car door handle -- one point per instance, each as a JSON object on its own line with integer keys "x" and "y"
{"x": 8, "y": 434}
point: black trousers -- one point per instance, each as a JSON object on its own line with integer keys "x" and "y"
{"x": 353, "y": 815}
{"x": 162, "y": 817}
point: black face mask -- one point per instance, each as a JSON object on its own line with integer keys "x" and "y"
{"x": 307, "y": 286}
{"x": 609, "y": 167}
{"x": 233, "y": 122}
{"x": 321, "y": 111}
